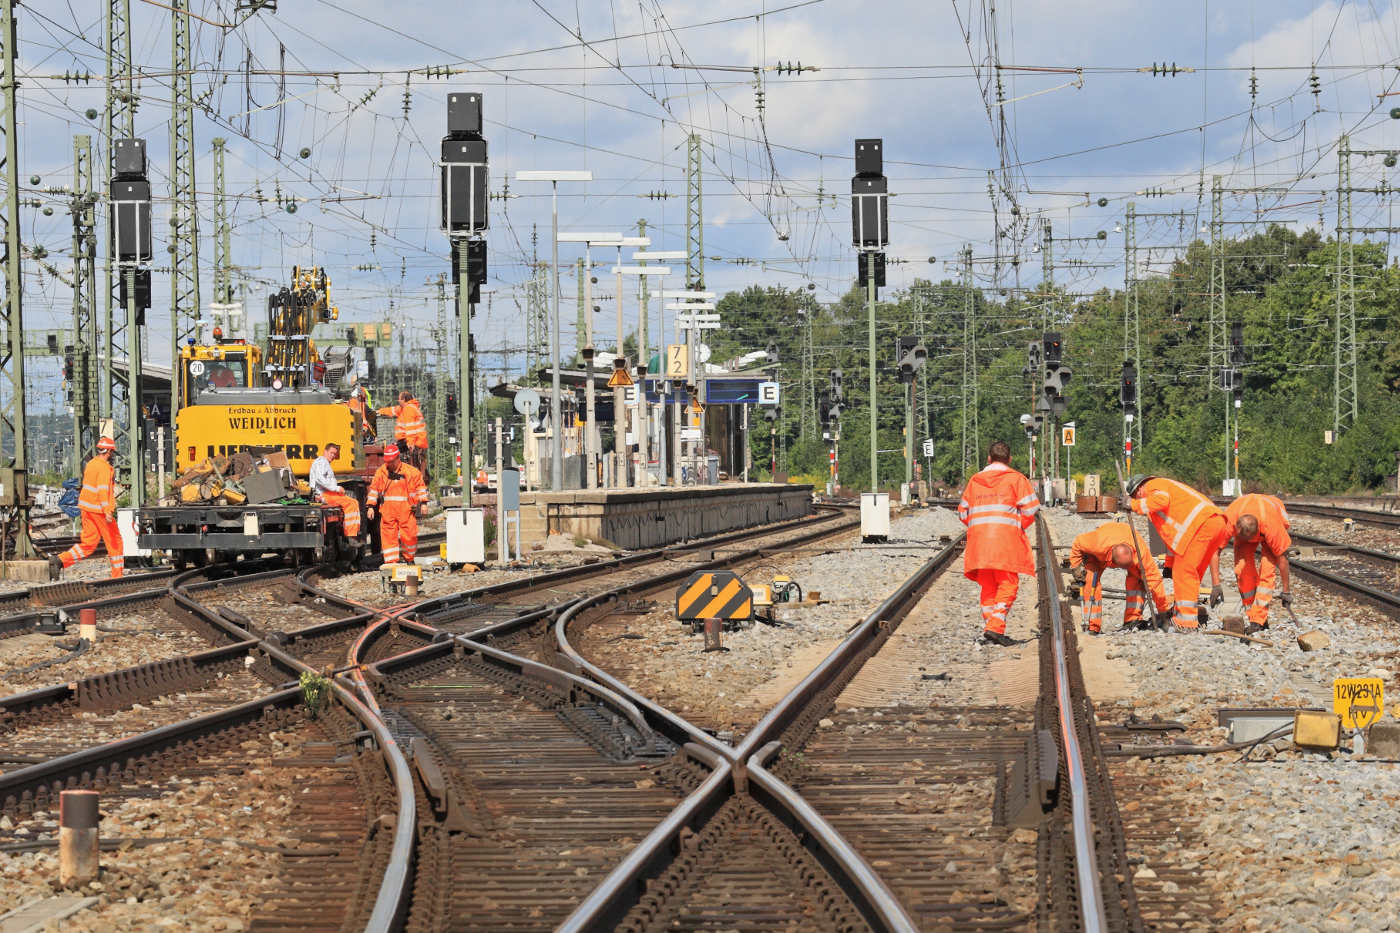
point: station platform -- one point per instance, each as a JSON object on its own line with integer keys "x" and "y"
{"x": 660, "y": 515}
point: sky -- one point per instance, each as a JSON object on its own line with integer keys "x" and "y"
{"x": 1079, "y": 127}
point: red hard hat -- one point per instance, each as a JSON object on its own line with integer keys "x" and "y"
{"x": 391, "y": 453}
{"x": 106, "y": 443}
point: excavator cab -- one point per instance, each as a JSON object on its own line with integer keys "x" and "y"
{"x": 222, "y": 364}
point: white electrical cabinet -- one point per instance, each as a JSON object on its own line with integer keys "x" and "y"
{"x": 126, "y": 524}
{"x": 466, "y": 536}
{"x": 874, "y": 516}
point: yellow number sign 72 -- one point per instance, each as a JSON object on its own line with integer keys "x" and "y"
{"x": 677, "y": 361}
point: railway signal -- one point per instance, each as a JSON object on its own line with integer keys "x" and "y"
{"x": 870, "y": 233}
{"x": 463, "y": 194}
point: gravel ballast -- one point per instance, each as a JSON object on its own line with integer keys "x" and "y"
{"x": 730, "y": 690}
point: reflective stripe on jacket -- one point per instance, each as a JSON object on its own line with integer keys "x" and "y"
{"x": 99, "y": 493}
{"x": 1273, "y": 520}
{"x": 1097, "y": 546}
{"x": 1175, "y": 509}
{"x": 402, "y": 491}
{"x": 408, "y": 423}
{"x": 997, "y": 506}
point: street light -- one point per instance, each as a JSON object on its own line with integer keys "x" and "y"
{"x": 643, "y": 358}
{"x": 556, "y": 446}
{"x": 590, "y": 437}
{"x": 621, "y": 476}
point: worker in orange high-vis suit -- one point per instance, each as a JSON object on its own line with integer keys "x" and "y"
{"x": 1194, "y": 531}
{"x": 410, "y": 428}
{"x": 1259, "y": 522}
{"x": 325, "y": 488}
{"x": 98, "y": 505}
{"x": 399, "y": 486}
{"x": 997, "y": 506}
{"x": 359, "y": 412}
{"x": 1116, "y": 544}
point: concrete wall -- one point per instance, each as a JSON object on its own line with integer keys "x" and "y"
{"x": 645, "y": 518}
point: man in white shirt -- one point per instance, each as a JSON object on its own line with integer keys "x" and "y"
{"x": 325, "y": 488}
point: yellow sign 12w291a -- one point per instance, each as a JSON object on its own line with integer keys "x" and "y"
{"x": 1358, "y": 700}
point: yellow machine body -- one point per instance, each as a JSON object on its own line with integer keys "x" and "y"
{"x": 224, "y": 365}
{"x": 298, "y": 427}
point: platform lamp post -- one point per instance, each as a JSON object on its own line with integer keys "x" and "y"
{"x": 622, "y": 475}
{"x": 590, "y": 436}
{"x": 643, "y": 354}
{"x": 643, "y": 420}
{"x": 690, "y": 302}
{"x": 556, "y": 446}
{"x": 131, "y": 234}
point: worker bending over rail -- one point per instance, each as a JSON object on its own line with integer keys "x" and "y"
{"x": 1194, "y": 531}
{"x": 325, "y": 488}
{"x": 1260, "y": 522}
{"x": 401, "y": 488}
{"x": 410, "y": 428}
{"x": 997, "y": 506}
{"x": 1116, "y": 544}
{"x": 97, "y": 504}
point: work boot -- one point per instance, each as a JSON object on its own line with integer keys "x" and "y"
{"x": 1184, "y": 630}
{"x": 1094, "y": 631}
{"x": 1255, "y": 628}
{"x": 990, "y": 637}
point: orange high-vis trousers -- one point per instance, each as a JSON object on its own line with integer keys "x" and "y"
{"x": 97, "y": 527}
{"x": 1191, "y": 565}
{"x": 349, "y": 507}
{"x": 1091, "y": 596}
{"x": 998, "y": 593}
{"x": 1256, "y": 586}
{"x": 398, "y": 535}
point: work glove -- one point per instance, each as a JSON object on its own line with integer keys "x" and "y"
{"x": 1078, "y": 574}
{"x": 1217, "y": 595}
{"x": 1287, "y": 599}
{"x": 1125, "y": 504}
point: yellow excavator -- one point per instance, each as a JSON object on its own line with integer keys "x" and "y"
{"x": 267, "y": 403}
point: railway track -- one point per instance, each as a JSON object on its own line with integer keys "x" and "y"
{"x": 1361, "y": 573}
{"x": 340, "y": 864}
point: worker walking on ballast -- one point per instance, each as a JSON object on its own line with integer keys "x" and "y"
{"x": 1116, "y": 544}
{"x": 1260, "y": 522}
{"x": 997, "y": 506}
{"x": 98, "y": 505}
{"x": 325, "y": 488}
{"x": 400, "y": 487}
{"x": 410, "y": 428}
{"x": 1194, "y": 531}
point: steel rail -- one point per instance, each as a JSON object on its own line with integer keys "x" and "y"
{"x": 607, "y": 904}
{"x": 391, "y": 902}
{"x": 1338, "y": 512}
{"x": 1091, "y": 903}
{"x": 622, "y": 888}
{"x": 1343, "y": 546}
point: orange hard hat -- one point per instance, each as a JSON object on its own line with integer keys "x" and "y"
{"x": 106, "y": 443}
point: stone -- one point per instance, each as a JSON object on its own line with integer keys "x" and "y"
{"x": 1233, "y": 624}
{"x": 1315, "y": 640}
{"x": 1025, "y": 837}
{"x": 1383, "y": 740}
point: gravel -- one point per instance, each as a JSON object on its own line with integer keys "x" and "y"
{"x": 1286, "y": 839}
{"x": 140, "y": 635}
{"x": 730, "y": 690}
{"x": 210, "y": 874}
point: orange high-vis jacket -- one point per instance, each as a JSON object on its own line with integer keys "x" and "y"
{"x": 1176, "y": 510}
{"x": 408, "y": 423}
{"x": 1098, "y": 545}
{"x": 1273, "y": 520}
{"x": 99, "y": 494}
{"x": 997, "y": 506}
{"x": 400, "y": 493}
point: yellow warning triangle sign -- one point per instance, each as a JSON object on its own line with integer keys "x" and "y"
{"x": 696, "y": 408}
{"x": 619, "y": 379}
